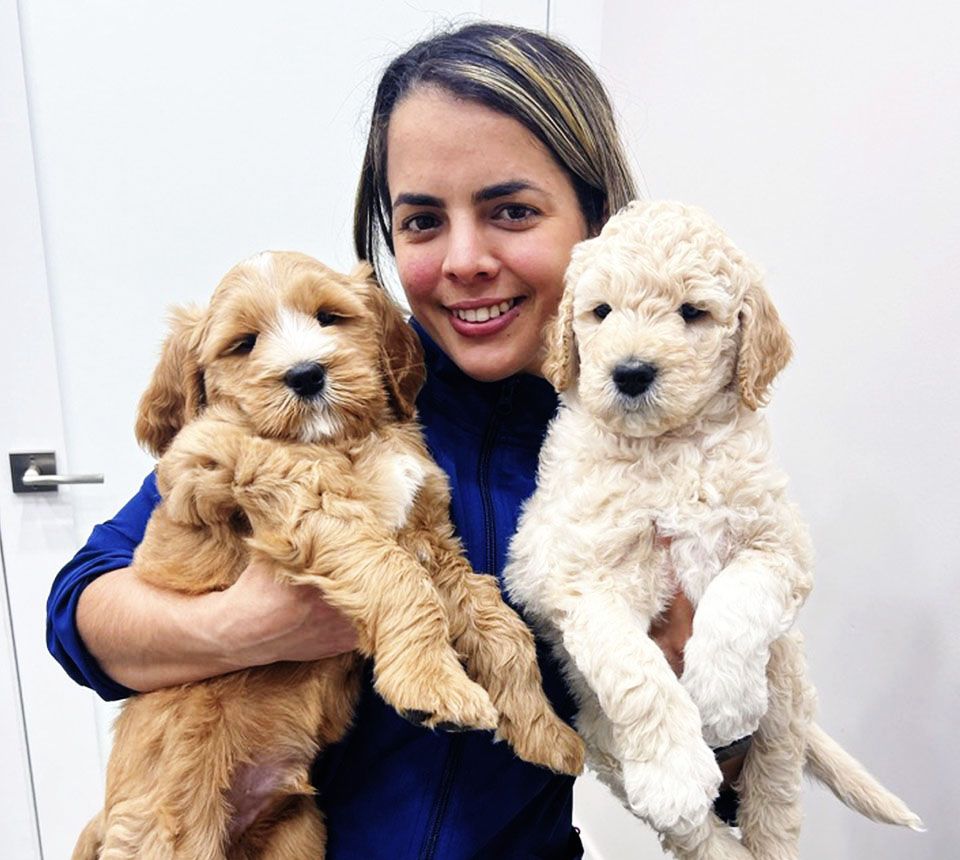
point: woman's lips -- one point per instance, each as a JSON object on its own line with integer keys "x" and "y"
{"x": 492, "y": 325}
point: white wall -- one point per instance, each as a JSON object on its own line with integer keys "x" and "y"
{"x": 824, "y": 136}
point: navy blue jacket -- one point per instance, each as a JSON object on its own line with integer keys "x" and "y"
{"x": 392, "y": 790}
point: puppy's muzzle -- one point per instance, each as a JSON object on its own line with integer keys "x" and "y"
{"x": 634, "y": 377}
{"x": 305, "y": 379}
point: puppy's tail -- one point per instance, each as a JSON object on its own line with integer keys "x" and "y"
{"x": 849, "y": 780}
{"x": 88, "y": 845}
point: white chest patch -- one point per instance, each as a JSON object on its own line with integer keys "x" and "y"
{"x": 403, "y": 476}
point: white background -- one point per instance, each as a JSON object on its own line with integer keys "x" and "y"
{"x": 172, "y": 140}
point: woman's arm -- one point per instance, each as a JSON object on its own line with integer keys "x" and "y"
{"x": 145, "y": 637}
{"x": 113, "y": 632}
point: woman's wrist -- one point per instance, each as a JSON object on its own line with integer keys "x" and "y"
{"x": 211, "y": 637}
{"x": 233, "y": 639}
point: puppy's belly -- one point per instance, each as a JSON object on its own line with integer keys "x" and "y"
{"x": 254, "y": 788}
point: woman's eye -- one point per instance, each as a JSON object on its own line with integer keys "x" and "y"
{"x": 244, "y": 345}
{"x": 601, "y": 311}
{"x": 326, "y": 318}
{"x": 515, "y": 213}
{"x": 419, "y": 223}
{"x": 691, "y": 312}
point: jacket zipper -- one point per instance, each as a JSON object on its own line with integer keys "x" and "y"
{"x": 443, "y": 796}
{"x": 501, "y": 410}
{"x": 503, "y": 407}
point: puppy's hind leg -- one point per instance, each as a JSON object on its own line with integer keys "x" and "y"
{"x": 711, "y": 840}
{"x": 770, "y": 814}
{"x": 131, "y": 831}
{"x": 300, "y": 833}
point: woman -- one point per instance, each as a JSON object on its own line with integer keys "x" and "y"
{"x": 492, "y": 151}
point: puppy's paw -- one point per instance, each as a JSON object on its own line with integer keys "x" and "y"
{"x": 675, "y": 792}
{"x": 450, "y": 701}
{"x": 729, "y": 690}
{"x": 545, "y": 740}
{"x": 200, "y": 495}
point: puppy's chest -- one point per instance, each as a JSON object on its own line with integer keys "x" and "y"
{"x": 391, "y": 481}
{"x": 664, "y": 524}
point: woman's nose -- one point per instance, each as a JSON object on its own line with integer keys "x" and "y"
{"x": 468, "y": 255}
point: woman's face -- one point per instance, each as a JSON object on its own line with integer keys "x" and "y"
{"x": 484, "y": 220}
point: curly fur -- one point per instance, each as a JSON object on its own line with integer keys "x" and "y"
{"x": 666, "y": 484}
{"x": 334, "y": 488}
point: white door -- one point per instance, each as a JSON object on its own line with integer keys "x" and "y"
{"x": 144, "y": 149}
{"x": 48, "y": 738}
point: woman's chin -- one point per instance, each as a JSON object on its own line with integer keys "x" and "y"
{"x": 490, "y": 366}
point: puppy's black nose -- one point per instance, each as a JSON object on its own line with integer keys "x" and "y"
{"x": 306, "y": 379}
{"x": 634, "y": 377}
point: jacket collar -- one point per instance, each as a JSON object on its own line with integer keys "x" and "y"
{"x": 524, "y": 402}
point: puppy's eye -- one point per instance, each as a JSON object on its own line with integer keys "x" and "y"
{"x": 601, "y": 311}
{"x": 326, "y": 318}
{"x": 244, "y": 345}
{"x": 691, "y": 312}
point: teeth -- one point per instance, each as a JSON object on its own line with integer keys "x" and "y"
{"x": 479, "y": 315}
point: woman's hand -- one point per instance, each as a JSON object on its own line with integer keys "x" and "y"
{"x": 672, "y": 628}
{"x": 259, "y": 620}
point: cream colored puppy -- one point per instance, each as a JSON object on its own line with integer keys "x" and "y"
{"x": 657, "y": 474}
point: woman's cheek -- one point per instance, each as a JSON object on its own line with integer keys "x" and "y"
{"x": 419, "y": 274}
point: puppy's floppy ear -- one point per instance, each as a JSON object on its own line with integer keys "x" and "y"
{"x": 401, "y": 356}
{"x": 175, "y": 393}
{"x": 765, "y": 347}
{"x": 562, "y": 361}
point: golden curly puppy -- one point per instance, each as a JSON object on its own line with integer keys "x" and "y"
{"x": 657, "y": 474}
{"x": 284, "y": 414}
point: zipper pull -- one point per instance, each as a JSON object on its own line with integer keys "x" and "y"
{"x": 505, "y": 400}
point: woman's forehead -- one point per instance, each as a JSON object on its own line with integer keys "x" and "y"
{"x": 435, "y": 141}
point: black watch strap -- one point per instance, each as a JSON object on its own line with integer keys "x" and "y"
{"x": 738, "y": 747}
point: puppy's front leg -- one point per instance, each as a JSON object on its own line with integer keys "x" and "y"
{"x": 396, "y": 609}
{"x": 670, "y": 775}
{"x": 195, "y": 474}
{"x": 743, "y": 610}
{"x": 500, "y": 655}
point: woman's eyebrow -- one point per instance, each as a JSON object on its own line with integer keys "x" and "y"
{"x": 491, "y": 192}
{"x": 504, "y": 189}
{"x": 417, "y": 200}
